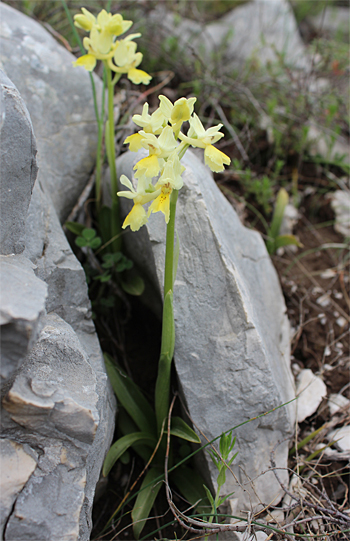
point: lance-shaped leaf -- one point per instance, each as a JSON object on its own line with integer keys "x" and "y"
{"x": 145, "y": 500}
{"x": 286, "y": 240}
{"x": 127, "y": 426}
{"x": 122, "y": 445}
{"x": 131, "y": 398}
{"x": 280, "y": 205}
{"x": 181, "y": 429}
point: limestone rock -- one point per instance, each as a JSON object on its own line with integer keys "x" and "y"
{"x": 255, "y": 29}
{"x": 22, "y": 305}
{"x": 59, "y": 100}
{"x": 312, "y": 389}
{"x": 57, "y": 398}
{"x": 337, "y": 402}
{"x": 342, "y": 437}
{"x": 54, "y": 389}
{"x": 340, "y": 201}
{"x": 232, "y": 333}
{"x": 16, "y": 466}
{"x": 17, "y": 166}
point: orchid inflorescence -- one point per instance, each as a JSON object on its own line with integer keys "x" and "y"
{"x": 159, "y": 135}
{"x": 120, "y": 55}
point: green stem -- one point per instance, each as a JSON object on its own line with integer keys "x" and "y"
{"x": 99, "y": 157}
{"x": 115, "y": 218}
{"x": 169, "y": 250}
{"x": 168, "y": 330}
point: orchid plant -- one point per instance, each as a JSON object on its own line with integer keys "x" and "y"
{"x": 119, "y": 57}
{"x": 157, "y": 181}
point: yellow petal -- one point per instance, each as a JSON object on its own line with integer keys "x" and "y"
{"x": 215, "y": 159}
{"x": 88, "y": 61}
{"x": 147, "y": 166}
{"x": 139, "y": 76}
{"x": 162, "y": 204}
{"x": 80, "y": 21}
{"x": 136, "y": 218}
{"x": 134, "y": 142}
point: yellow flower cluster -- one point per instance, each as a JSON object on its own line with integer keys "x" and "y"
{"x": 159, "y": 135}
{"x": 102, "y": 44}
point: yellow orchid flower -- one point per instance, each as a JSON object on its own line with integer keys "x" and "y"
{"x": 153, "y": 123}
{"x": 148, "y": 167}
{"x": 199, "y": 137}
{"x": 160, "y": 146}
{"x": 134, "y": 142}
{"x": 162, "y": 202}
{"x": 85, "y": 21}
{"x": 178, "y": 112}
{"x": 215, "y": 159}
{"x": 138, "y": 76}
{"x": 145, "y": 193}
{"x": 101, "y": 41}
{"x": 172, "y": 171}
{"x": 126, "y": 60}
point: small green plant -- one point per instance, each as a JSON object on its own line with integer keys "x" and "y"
{"x": 274, "y": 239}
{"x": 222, "y": 463}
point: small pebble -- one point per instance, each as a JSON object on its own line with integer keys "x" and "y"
{"x": 311, "y": 389}
{"x": 324, "y": 300}
{"x": 337, "y": 402}
{"x": 341, "y": 321}
{"x": 342, "y": 437}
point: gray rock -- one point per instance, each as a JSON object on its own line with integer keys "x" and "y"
{"x": 57, "y": 398}
{"x": 232, "y": 332}
{"x": 16, "y": 466}
{"x": 332, "y": 22}
{"x": 53, "y": 392}
{"x": 18, "y": 168}
{"x": 256, "y": 29}
{"x": 22, "y": 305}
{"x": 47, "y": 247}
{"x": 59, "y": 100}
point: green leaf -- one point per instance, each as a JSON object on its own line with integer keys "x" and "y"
{"x": 209, "y": 495}
{"x": 127, "y": 426}
{"x": 120, "y": 446}
{"x": 224, "y": 498}
{"x": 74, "y": 227}
{"x": 134, "y": 285}
{"x": 81, "y": 242}
{"x": 191, "y": 486}
{"x": 131, "y": 398}
{"x": 145, "y": 500}
{"x": 280, "y": 205}
{"x": 89, "y": 233}
{"x": 286, "y": 240}
{"x": 95, "y": 243}
{"x": 181, "y": 429}
{"x": 222, "y": 476}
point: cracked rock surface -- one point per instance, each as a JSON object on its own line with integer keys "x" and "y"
{"x": 57, "y": 407}
{"x": 232, "y": 333}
